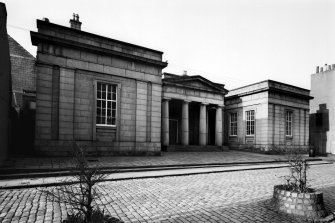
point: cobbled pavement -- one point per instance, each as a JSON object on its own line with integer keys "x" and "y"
{"x": 241, "y": 196}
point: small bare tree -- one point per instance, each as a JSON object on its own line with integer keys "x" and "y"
{"x": 79, "y": 191}
{"x": 297, "y": 180}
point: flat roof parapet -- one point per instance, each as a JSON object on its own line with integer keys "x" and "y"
{"x": 271, "y": 86}
{"x": 71, "y": 34}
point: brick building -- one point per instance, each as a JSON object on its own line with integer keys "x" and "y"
{"x": 23, "y": 75}
{"x": 322, "y": 110}
{"x": 267, "y": 116}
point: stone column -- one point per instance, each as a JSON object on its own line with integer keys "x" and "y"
{"x": 202, "y": 125}
{"x": 184, "y": 124}
{"x": 165, "y": 122}
{"x": 218, "y": 126}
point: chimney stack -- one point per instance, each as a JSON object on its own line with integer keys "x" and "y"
{"x": 75, "y": 23}
{"x": 185, "y": 73}
{"x": 317, "y": 69}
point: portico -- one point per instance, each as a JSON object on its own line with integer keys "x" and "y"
{"x": 192, "y": 111}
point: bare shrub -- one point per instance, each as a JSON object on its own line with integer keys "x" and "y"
{"x": 80, "y": 190}
{"x": 296, "y": 181}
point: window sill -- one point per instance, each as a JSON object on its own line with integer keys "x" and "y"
{"x": 234, "y": 136}
{"x": 250, "y": 136}
{"x": 105, "y": 127}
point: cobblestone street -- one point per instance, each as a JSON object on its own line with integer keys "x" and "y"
{"x": 241, "y": 196}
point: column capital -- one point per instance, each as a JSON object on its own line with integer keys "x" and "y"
{"x": 220, "y": 106}
{"x": 204, "y": 103}
{"x": 187, "y": 101}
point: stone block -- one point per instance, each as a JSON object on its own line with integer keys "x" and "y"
{"x": 90, "y": 57}
{"x": 77, "y": 64}
{"x": 96, "y": 67}
{"x": 105, "y": 60}
{"x": 114, "y": 71}
{"x": 71, "y": 53}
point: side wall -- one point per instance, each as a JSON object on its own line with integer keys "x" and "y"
{"x": 278, "y": 106}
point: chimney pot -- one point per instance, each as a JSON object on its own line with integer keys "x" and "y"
{"x": 317, "y": 69}
{"x": 321, "y": 69}
{"x": 74, "y": 22}
{"x": 185, "y": 73}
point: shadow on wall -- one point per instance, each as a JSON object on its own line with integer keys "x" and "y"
{"x": 318, "y": 128}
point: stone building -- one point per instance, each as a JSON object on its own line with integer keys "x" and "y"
{"x": 110, "y": 96}
{"x": 192, "y": 112}
{"x": 267, "y": 116}
{"x": 322, "y": 110}
{"x": 103, "y": 93}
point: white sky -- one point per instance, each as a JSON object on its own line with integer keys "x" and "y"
{"x": 233, "y": 42}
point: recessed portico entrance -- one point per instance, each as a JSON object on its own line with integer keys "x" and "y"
{"x": 190, "y": 123}
{"x": 191, "y": 112}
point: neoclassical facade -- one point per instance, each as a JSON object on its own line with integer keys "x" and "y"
{"x": 112, "y": 97}
{"x": 267, "y": 116}
{"x": 192, "y": 111}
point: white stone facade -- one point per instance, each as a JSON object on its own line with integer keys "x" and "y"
{"x": 322, "y": 110}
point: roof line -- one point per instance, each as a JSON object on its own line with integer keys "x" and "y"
{"x": 95, "y": 35}
{"x": 269, "y": 80}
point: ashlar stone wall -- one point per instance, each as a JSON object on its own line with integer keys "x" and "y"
{"x": 66, "y": 93}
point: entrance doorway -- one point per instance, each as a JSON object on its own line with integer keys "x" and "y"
{"x": 211, "y": 126}
{"x": 173, "y": 136}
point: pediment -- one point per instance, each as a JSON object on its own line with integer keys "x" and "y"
{"x": 196, "y": 82}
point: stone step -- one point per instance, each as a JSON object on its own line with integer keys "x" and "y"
{"x": 195, "y": 148}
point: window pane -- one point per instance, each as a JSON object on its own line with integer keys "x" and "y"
{"x": 109, "y": 120}
{"x": 106, "y": 104}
